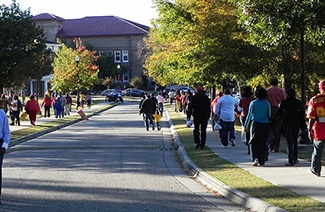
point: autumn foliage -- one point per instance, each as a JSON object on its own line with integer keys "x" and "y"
{"x": 72, "y": 74}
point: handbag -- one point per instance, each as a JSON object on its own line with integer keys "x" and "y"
{"x": 23, "y": 115}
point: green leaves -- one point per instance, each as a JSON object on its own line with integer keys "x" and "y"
{"x": 193, "y": 42}
{"x": 22, "y": 46}
{"x": 70, "y": 74}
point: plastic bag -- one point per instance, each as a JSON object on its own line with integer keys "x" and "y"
{"x": 189, "y": 123}
{"x": 217, "y": 126}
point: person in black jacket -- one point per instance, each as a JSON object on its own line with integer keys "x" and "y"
{"x": 148, "y": 108}
{"x": 199, "y": 107}
{"x": 292, "y": 112}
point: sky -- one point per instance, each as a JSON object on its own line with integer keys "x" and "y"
{"x": 140, "y": 11}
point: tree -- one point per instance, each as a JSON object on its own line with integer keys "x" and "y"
{"x": 136, "y": 82}
{"x": 199, "y": 42}
{"x": 22, "y": 46}
{"x": 74, "y": 69}
{"x": 284, "y": 26}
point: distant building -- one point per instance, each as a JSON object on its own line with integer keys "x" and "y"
{"x": 117, "y": 37}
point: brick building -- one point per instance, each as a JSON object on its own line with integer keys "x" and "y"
{"x": 120, "y": 38}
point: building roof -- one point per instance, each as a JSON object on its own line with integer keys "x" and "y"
{"x": 95, "y": 26}
{"x": 46, "y": 17}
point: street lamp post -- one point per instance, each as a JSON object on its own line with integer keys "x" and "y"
{"x": 118, "y": 72}
{"x": 77, "y": 59}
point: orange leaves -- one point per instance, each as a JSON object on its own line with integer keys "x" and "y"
{"x": 70, "y": 74}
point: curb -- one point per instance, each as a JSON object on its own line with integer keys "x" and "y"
{"x": 234, "y": 195}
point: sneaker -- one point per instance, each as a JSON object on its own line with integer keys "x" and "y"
{"x": 255, "y": 162}
{"x": 232, "y": 142}
{"x": 312, "y": 172}
{"x": 225, "y": 147}
{"x": 288, "y": 164}
{"x": 296, "y": 162}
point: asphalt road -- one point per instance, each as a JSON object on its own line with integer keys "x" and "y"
{"x": 108, "y": 163}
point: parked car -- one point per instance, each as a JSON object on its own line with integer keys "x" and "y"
{"x": 137, "y": 93}
{"x": 114, "y": 97}
{"x": 127, "y": 92}
{"x": 107, "y": 92}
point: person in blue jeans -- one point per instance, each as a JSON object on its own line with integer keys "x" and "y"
{"x": 225, "y": 111}
{"x": 258, "y": 124}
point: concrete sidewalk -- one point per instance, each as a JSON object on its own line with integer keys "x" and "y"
{"x": 295, "y": 178}
{"x": 24, "y": 123}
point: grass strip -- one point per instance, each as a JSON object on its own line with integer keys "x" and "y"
{"x": 238, "y": 178}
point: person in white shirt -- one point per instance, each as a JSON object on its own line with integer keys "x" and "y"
{"x": 5, "y": 139}
{"x": 225, "y": 111}
{"x": 161, "y": 101}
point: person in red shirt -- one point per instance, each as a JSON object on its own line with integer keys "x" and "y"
{"x": 32, "y": 108}
{"x": 67, "y": 106}
{"x": 47, "y": 104}
{"x": 316, "y": 115}
{"x": 213, "y": 108}
{"x": 275, "y": 95}
{"x": 247, "y": 97}
{"x": 178, "y": 102}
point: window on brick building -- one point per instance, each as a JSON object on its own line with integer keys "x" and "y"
{"x": 125, "y": 56}
{"x": 117, "y": 55}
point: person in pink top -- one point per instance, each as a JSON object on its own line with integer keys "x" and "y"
{"x": 247, "y": 97}
{"x": 213, "y": 108}
{"x": 316, "y": 115}
{"x": 275, "y": 95}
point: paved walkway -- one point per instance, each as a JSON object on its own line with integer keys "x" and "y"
{"x": 294, "y": 178}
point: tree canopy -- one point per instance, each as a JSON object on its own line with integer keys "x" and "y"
{"x": 74, "y": 69}
{"x": 288, "y": 28}
{"x": 199, "y": 42}
{"x": 213, "y": 42}
{"x": 22, "y": 47}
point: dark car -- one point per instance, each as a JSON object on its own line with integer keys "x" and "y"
{"x": 114, "y": 97}
{"x": 137, "y": 93}
{"x": 108, "y": 91}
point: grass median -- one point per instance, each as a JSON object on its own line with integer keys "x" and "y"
{"x": 238, "y": 178}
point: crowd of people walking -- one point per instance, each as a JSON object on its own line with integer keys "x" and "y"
{"x": 265, "y": 114}
{"x": 57, "y": 104}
